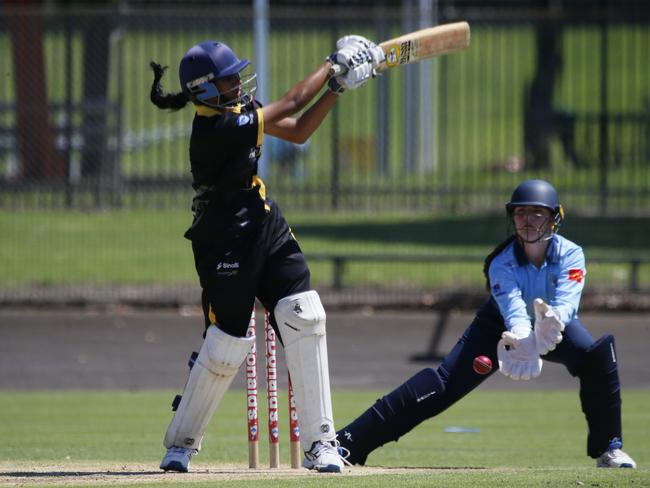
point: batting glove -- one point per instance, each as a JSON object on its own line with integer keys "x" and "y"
{"x": 517, "y": 353}
{"x": 334, "y": 86}
{"x": 375, "y": 52}
{"x": 355, "y": 77}
{"x": 350, "y": 56}
{"x": 548, "y": 327}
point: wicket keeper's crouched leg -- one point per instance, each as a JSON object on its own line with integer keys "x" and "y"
{"x": 427, "y": 393}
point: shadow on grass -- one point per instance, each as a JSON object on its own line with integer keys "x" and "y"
{"x": 75, "y": 474}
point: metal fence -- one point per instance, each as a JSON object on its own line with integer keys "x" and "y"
{"x": 540, "y": 93}
{"x": 534, "y": 95}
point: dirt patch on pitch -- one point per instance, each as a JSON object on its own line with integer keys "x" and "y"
{"x": 102, "y": 474}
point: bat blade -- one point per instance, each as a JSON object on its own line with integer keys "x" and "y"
{"x": 425, "y": 43}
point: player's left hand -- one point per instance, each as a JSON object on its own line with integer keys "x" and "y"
{"x": 375, "y": 52}
{"x": 548, "y": 327}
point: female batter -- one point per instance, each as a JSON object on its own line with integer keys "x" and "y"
{"x": 243, "y": 247}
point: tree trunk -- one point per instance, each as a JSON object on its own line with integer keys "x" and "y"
{"x": 34, "y": 135}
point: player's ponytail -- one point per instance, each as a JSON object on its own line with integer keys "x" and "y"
{"x": 174, "y": 101}
{"x": 490, "y": 257}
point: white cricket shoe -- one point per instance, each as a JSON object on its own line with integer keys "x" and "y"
{"x": 324, "y": 457}
{"x": 177, "y": 459}
{"x": 615, "y": 458}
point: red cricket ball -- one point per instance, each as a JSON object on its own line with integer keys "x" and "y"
{"x": 482, "y": 364}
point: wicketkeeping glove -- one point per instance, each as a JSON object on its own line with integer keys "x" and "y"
{"x": 517, "y": 353}
{"x": 548, "y": 327}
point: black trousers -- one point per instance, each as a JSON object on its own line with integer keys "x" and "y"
{"x": 265, "y": 262}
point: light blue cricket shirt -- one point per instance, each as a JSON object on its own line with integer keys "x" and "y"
{"x": 515, "y": 282}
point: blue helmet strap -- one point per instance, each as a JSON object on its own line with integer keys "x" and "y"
{"x": 203, "y": 89}
{"x": 207, "y": 91}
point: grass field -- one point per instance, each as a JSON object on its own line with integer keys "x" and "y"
{"x": 108, "y": 438}
{"x": 146, "y": 247}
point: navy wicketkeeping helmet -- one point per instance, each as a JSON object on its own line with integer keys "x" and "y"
{"x": 208, "y": 61}
{"x": 538, "y": 193}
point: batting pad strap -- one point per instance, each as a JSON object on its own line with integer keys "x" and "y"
{"x": 220, "y": 357}
{"x": 301, "y": 323}
{"x": 223, "y": 354}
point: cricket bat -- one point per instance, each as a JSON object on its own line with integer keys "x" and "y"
{"x": 422, "y": 44}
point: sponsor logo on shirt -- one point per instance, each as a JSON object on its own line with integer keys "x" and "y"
{"x": 227, "y": 269}
{"x": 244, "y": 119}
{"x": 576, "y": 275}
{"x": 496, "y": 289}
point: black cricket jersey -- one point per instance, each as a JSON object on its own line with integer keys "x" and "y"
{"x": 243, "y": 247}
{"x": 225, "y": 146}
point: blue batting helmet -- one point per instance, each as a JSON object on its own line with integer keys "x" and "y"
{"x": 538, "y": 193}
{"x": 204, "y": 63}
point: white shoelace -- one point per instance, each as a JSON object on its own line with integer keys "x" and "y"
{"x": 329, "y": 446}
{"x": 341, "y": 452}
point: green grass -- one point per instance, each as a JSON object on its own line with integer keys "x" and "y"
{"x": 526, "y": 438}
{"x": 146, "y": 247}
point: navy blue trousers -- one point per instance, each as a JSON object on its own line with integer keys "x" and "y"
{"x": 593, "y": 362}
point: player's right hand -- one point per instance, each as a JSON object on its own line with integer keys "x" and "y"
{"x": 517, "y": 353}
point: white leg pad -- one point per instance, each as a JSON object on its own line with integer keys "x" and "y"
{"x": 220, "y": 357}
{"x": 301, "y": 322}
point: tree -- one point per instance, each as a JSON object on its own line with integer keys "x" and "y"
{"x": 34, "y": 134}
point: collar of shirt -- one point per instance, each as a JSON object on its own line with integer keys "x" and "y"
{"x": 552, "y": 252}
{"x": 205, "y": 111}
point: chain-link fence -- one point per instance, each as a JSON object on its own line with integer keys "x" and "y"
{"x": 540, "y": 93}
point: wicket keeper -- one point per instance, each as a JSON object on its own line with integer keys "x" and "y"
{"x": 535, "y": 278}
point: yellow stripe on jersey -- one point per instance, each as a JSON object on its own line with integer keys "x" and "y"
{"x": 211, "y": 316}
{"x": 260, "y": 126}
{"x": 257, "y": 181}
{"x": 205, "y": 111}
